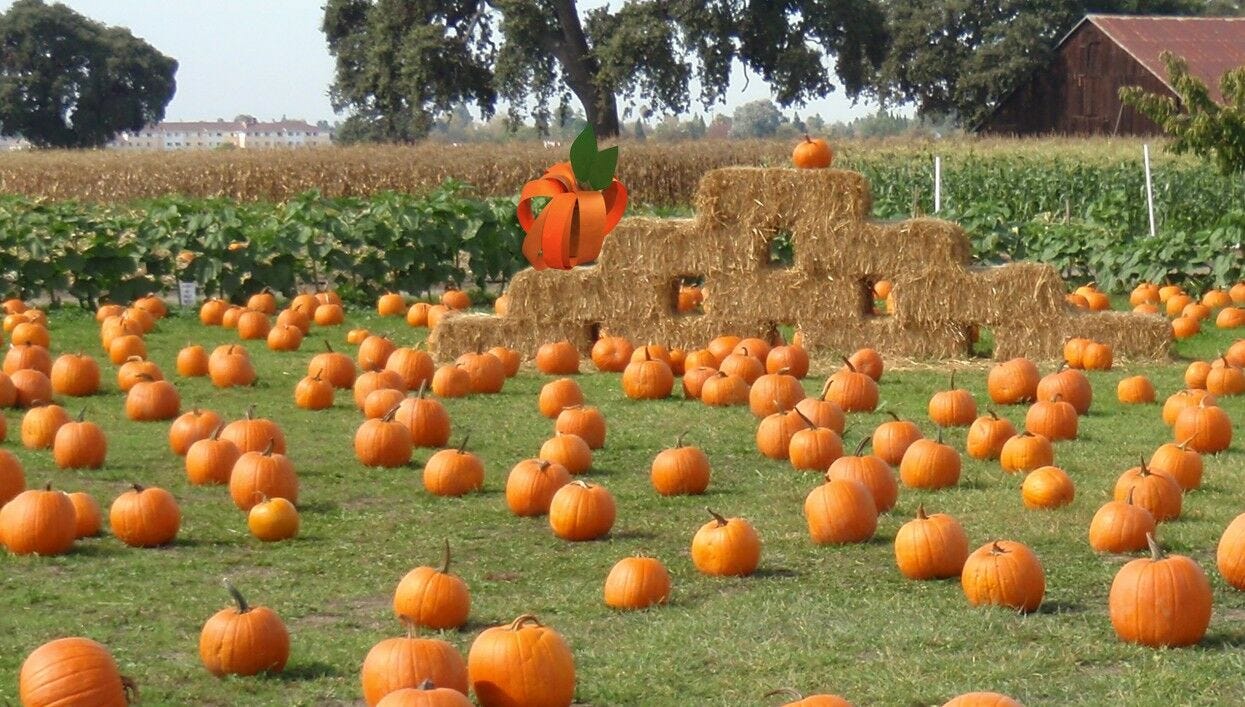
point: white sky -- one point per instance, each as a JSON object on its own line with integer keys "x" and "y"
{"x": 268, "y": 58}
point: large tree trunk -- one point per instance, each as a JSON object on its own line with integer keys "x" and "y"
{"x": 580, "y": 70}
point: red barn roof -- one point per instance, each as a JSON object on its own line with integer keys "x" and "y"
{"x": 1211, "y": 45}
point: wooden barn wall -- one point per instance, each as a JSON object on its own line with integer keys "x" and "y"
{"x": 1078, "y": 93}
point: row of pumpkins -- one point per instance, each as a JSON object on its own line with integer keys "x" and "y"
{"x": 535, "y": 484}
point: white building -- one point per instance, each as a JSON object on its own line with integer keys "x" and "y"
{"x": 209, "y": 135}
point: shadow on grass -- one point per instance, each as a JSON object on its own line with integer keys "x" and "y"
{"x": 313, "y": 670}
{"x": 634, "y": 535}
{"x": 319, "y": 507}
{"x": 1225, "y": 639}
{"x": 1060, "y": 607}
{"x": 781, "y": 572}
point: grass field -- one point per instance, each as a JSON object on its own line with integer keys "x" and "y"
{"x": 832, "y": 619}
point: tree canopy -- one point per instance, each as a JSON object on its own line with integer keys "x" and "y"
{"x": 959, "y": 58}
{"x": 402, "y": 63}
{"x": 67, "y": 81}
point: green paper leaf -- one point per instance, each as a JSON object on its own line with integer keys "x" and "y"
{"x": 603, "y": 168}
{"x": 584, "y": 154}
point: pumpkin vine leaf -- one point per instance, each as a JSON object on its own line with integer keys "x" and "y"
{"x": 592, "y": 167}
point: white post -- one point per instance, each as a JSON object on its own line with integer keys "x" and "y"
{"x": 1149, "y": 188}
{"x": 937, "y": 184}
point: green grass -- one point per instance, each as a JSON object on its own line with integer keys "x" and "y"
{"x": 835, "y": 619}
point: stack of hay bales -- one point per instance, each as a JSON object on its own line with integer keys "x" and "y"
{"x": 839, "y": 253}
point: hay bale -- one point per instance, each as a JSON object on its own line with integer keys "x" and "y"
{"x": 981, "y": 295}
{"x": 1138, "y": 337}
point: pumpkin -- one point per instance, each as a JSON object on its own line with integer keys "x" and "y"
{"x": 145, "y": 517}
{"x": 1151, "y": 489}
{"x": 374, "y": 352}
{"x": 582, "y": 511}
{"x": 694, "y": 380}
{"x": 433, "y": 598}
{"x": 1230, "y": 318}
{"x": 404, "y": 663}
{"x": 1070, "y": 385}
{"x": 417, "y": 314}
{"x": 257, "y": 476}
{"x": 1004, "y": 573}
{"x": 451, "y": 381}
{"x": 379, "y": 402}
{"x": 79, "y": 445}
{"x": 868, "y": 362}
{"x": 426, "y": 420}
{"x": 931, "y": 547}
{"x": 840, "y": 511}
{"x": 930, "y": 464}
{"x": 982, "y": 699}
{"x": 525, "y": 663}
{"x": 569, "y": 450}
{"x": 453, "y": 472}
{"x": 531, "y": 485}
{"x": 1047, "y": 487}
{"x": 1054, "y": 419}
{"x": 1144, "y": 293}
{"x": 1179, "y": 462}
{"x": 328, "y": 314}
{"x": 427, "y": 694}
{"x": 870, "y": 471}
{"x": 558, "y": 358}
{"x": 372, "y": 381}
{"x": 1160, "y": 600}
{"x": 1223, "y": 379}
{"x": 314, "y": 393}
{"x": 774, "y": 392}
{"x": 212, "y": 312}
{"x": 680, "y": 470}
{"x": 1135, "y": 390}
{"x": 211, "y": 460}
{"x": 722, "y": 346}
{"x": 1097, "y": 356}
{"x": 585, "y": 421}
{"x": 87, "y": 515}
{"x": 75, "y": 375}
{"x": 987, "y": 435}
{"x": 755, "y": 347}
{"x": 190, "y": 428}
{"x": 73, "y": 671}
{"x": 953, "y": 407}
{"x": 273, "y": 520}
{"x": 255, "y": 434}
{"x": 1013, "y": 382}
{"x": 811, "y": 447}
{"x": 30, "y": 387}
{"x": 229, "y": 366}
{"x": 263, "y": 301}
{"x": 892, "y": 439}
{"x": 510, "y": 359}
{"x": 800, "y": 700}
{"x": 688, "y": 298}
{"x": 1146, "y": 308}
{"x": 1237, "y": 293}
{"x": 1185, "y": 327}
{"x": 726, "y": 547}
{"x": 29, "y": 333}
{"x": 1236, "y": 353}
{"x": 853, "y": 391}
{"x": 1026, "y": 452}
{"x": 135, "y": 371}
{"x": 12, "y": 477}
{"x": 647, "y": 379}
{"x": 284, "y": 337}
{"x": 456, "y": 299}
{"x": 773, "y": 437}
{"x": 8, "y": 393}
{"x": 721, "y": 389}
{"x": 812, "y": 154}
{"x": 698, "y": 358}
{"x": 501, "y": 305}
{"x": 337, "y": 368}
{"x": 38, "y": 521}
{"x": 383, "y": 442}
{"x": 436, "y": 313}
{"x": 29, "y": 357}
{"x": 295, "y": 317}
{"x": 823, "y": 413}
{"x": 415, "y": 367}
{"x": 192, "y": 362}
{"x": 306, "y": 302}
{"x": 1181, "y": 399}
{"x": 40, "y": 425}
{"x": 244, "y": 640}
{"x": 13, "y": 305}
{"x": 651, "y": 351}
{"x": 1120, "y": 526}
{"x": 253, "y": 325}
{"x": 1230, "y": 553}
{"x": 1206, "y": 426}
{"x": 390, "y": 304}
{"x": 637, "y": 583}
{"x": 794, "y": 359}
{"x": 743, "y": 364}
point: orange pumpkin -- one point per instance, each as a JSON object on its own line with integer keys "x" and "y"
{"x": 637, "y": 583}
{"x": 433, "y": 598}
{"x": 1004, "y": 573}
{"x": 73, "y": 671}
{"x": 931, "y": 547}
{"x": 812, "y": 153}
{"x": 581, "y": 511}
{"x": 524, "y": 663}
{"x": 1160, "y": 600}
{"x": 245, "y": 640}
{"x": 726, "y": 547}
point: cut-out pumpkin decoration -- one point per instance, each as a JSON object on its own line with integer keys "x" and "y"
{"x": 586, "y": 202}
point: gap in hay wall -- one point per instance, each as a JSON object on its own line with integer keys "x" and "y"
{"x": 686, "y": 296}
{"x": 869, "y": 304}
{"x": 980, "y": 341}
{"x": 780, "y": 248}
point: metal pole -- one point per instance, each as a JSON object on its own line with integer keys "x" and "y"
{"x": 937, "y": 184}
{"x": 1149, "y": 188}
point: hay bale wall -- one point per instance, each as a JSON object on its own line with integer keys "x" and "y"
{"x": 839, "y": 253}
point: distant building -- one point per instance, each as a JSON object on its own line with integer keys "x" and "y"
{"x": 1078, "y": 93}
{"x": 209, "y": 135}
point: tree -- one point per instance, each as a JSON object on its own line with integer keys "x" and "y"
{"x": 960, "y": 58}
{"x": 719, "y": 127}
{"x": 67, "y": 81}
{"x": 400, "y": 63}
{"x": 1198, "y": 124}
{"x": 639, "y": 132}
{"x": 756, "y": 119}
{"x": 245, "y": 118}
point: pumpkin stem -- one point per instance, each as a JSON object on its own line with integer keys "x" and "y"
{"x": 138, "y": 488}
{"x": 894, "y": 416}
{"x": 1184, "y": 446}
{"x": 82, "y": 415}
{"x": 716, "y": 516}
{"x": 131, "y": 690}
{"x": 848, "y": 363}
{"x": 445, "y": 563}
{"x": 804, "y": 417}
{"x": 272, "y": 442}
{"x": 993, "y": 414}
{"x": 316, "y": 377}
{"x": 462, "y": 448}
{"x": 388, "y": 417}
{"x": 1129, "y": 500}
{"x": 523, "y": 620}
{"x": 545, "y": 464}
{"x": 996, "y": 549}
{"x": 216, "y": 432}
{"x": 825, "y": 389}
{"x": 678, "y": 441}
{"x": 646, "y": 356}
{"x": 427, "y": 685}
{"x": 940, "y": 434}
{"x": 423, "y": 387}
{"x": 952, "y": 387}
{"x": 861, "y": 446}
{"x": 1144, "y": 471}
{"x": 789, "y": 692}
{"x": 238, "y": 599}
{"x": 47, "y": 486}
{"x": 1156, "y": 552}
{"x": 250, "y": 411}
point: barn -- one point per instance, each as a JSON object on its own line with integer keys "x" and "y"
{"x": 1078, "y": 93}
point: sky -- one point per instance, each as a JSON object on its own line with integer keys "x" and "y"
{"x": 268, "y": 58}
